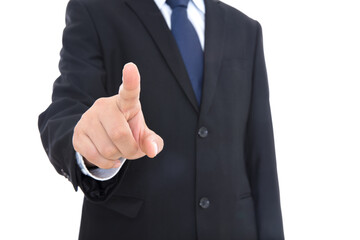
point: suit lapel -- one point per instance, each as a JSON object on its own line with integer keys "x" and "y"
{"x": 214, "y": 41}
{"x": 151, "y": 17}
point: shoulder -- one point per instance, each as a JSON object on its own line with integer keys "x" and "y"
{"x": 98, "y": 5}
{"x": 236, "y": 16}
{"x": 97, "y": 9}
{"x": 97, "y": 2}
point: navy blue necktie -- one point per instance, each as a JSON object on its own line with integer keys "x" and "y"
{"x": 188, "y": 43}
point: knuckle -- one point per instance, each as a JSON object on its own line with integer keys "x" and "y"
{"x": 84, "y": 122}
{"x": 117, "y": 133}
{"x": 100, "y": 102}
{"x": 109, "y": 151}
{"x": 77, "y": 140}
{"x": 84, "y": 116}
{"x": 77, "y": 131}
{"x": 91, "y": 154}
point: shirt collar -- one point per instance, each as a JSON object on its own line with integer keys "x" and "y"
{"x": 198, "y": 3}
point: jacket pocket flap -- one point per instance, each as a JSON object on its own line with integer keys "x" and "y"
{"x": 128, "y": 206}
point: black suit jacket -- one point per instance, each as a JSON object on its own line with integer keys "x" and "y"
{"x": 222, "y": 151}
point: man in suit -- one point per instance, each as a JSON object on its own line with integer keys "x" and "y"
{"x": 203, "y": 114}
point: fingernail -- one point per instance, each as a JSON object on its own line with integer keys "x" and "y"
{"x": 155, "y": 147}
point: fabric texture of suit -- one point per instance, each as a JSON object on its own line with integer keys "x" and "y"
{"x": 230, "y": 161}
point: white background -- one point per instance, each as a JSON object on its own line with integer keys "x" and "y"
{"x": 312, "y": 51}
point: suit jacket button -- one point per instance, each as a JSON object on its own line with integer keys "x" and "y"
{"x": 203, "y": 132}
{"x": 204, "y": 202}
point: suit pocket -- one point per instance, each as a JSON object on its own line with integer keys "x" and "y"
{"x": 245, "y": 216}
{"x": 244, "y": 195}
{"x": 125, "y": 205}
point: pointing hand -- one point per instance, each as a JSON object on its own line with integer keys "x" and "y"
{"x": 115, "y": 127}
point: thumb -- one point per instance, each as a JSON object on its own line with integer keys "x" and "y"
{"x": 150, "y": 143}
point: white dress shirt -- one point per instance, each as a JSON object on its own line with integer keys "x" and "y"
{"x": 196, "y": 15}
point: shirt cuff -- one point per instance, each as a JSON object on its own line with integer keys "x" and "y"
{"x": 99, "y": 174}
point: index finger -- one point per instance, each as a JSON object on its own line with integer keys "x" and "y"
{"x": 129, "y": 91}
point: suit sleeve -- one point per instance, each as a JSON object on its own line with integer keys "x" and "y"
{"x": 260, "y": 152}
{"x": 81, "y": 82}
